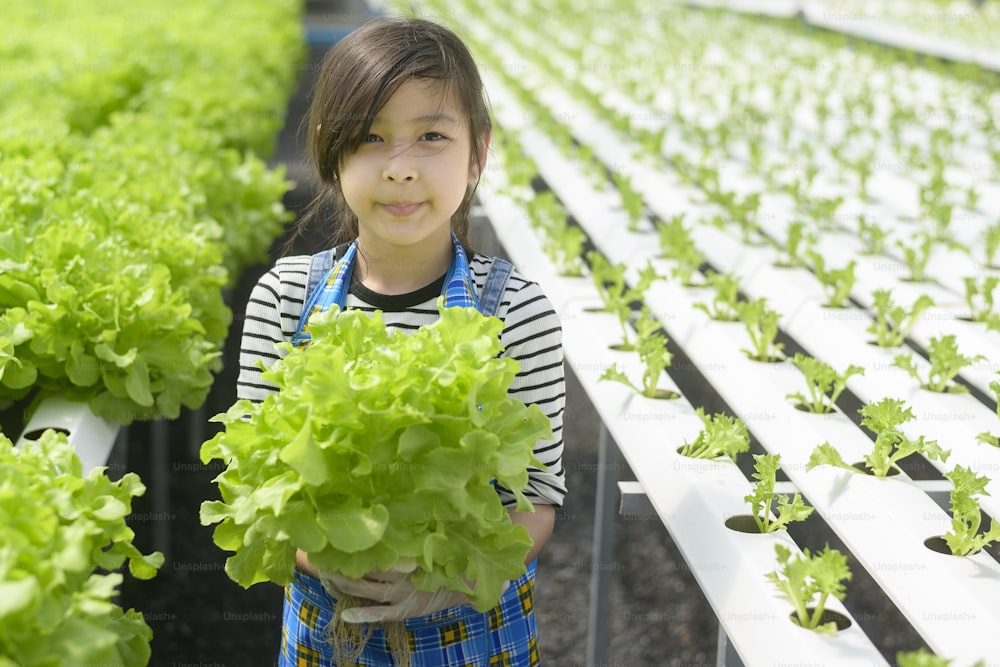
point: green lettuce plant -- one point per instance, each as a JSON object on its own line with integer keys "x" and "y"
{"x": 63, "y": 535}
{"x": 379, "y": 451}
{"x": 801, "y": 579}
{"x": 824, "y": 384}
{"x": 946, "y": 362}
{"x": 891, "y": 445}
{"x": 763, "y": 497}
{"x": 964, "y": 537}
{"x": 721, "y": 435}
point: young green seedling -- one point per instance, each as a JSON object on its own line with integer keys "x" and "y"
{"x": 891, "y": 445}
{"x": 991, "y": 243}
{"x": 946, "y": 362}
{"x": 872, "y": 236}
{"x": 655, "y": 356}
{"x": 721, "y": 436}
{"x": 966, "y": 517}
{"x": 801, "y": 579}
{"x": 987, "y": 437}
{"x": 798, "y": 242}
{"x": 763, "y": 495}
{"x": 917, "y": 256}
{"x": 824, "y": 384}
{"x": 723, "y": 306}
{"x": 564, "y": 245}
{"x": 892, "y": 323}
{"x": 979, "y": 298}
{"x": 631, "y": 200}
{"x": 761, "y": 324}
{"x": 923, "y": 658}
{"x": 836, "y": 282}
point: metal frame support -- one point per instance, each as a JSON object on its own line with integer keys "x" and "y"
{"x": 606, "y": 510}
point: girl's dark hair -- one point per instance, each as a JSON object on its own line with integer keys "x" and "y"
{"x": 357, "y": 78}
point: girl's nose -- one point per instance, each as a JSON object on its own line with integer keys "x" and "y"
{"x": 399, "y": 168}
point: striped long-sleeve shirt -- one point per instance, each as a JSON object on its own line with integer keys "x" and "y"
{"x": 532, "y": 335}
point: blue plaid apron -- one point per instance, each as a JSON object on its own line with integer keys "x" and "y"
{"x": 458, "y": 289}
{"x": 505, "y": 636}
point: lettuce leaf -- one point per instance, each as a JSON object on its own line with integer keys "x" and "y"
{"x": 57, "y": 529}
{"x": 380, "y": 449}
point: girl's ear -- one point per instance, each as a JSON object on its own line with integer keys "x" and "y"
{"x": 481, "y": 149}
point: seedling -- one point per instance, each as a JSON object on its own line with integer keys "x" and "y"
{"x": 653, "y": 353}
{"x": 945, "y": 364}
{"x": 721, "y": 436}
{"x": 763, "y": 495}
{"x": 872, "y": 236}
{"x": 801, "y": 579}
{"x": 616, "y": 296}
{"x": 836, "y": 282}
{"x": 798, "y": 242}
{"x": 824, "y": 384}
{"x": 917, "y": 256}
{"x": 723, "y": 305}
{"x": 676, "y": 244}
{"x": 966, "y": 516}
{"x": 923, "y": 658}
{"x": 761, "y": 324}
{"x": 631, "y": 200}
{"x": 883, "y": 419}
{"x": 893, "y": 323}
{"x": 564, "y": 245}
{"x": 822, "y": 210}
{"x": 991, "y": 243}
{"x": 979, "y": 298}
{"x": 987, "y": 437}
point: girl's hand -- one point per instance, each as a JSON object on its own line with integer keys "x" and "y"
{"x": 302, "y": 564}
{"x": 398, "y": 598}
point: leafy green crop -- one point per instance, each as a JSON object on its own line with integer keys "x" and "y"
{"x": 652, "y": 347}
{"x": 891, "y": 445}
{"x": 966, "y": 517}
{"x": 136, "y": 197}
{"x": 801, "y": 579}
{"x": 377, "y": 452}
{"x": 763, "y": 495}
{"x": 984, "y": 437}
{"x": 946, "y": 362}
{"x": 824, "y": 384}
{"x": 723, "y": 306}
{"x": 761, "y": 324}
{"x": 722, "y": 435}
{"x": 892, "y": 322}
{"x": 837, "y": 282}
{"x": 57, "y": 529}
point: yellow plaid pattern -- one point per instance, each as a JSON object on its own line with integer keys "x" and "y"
{"x": 505, "y": 636}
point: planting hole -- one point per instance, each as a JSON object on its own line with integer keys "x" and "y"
{"x": 828, "y": 616}
{"x": 35, "y": 434}
{"x": 802, "y": 407}
{"x": 863, "y": 467}
{"x": 666, "y": 394}
{"x": 937, "y": 544}
{"x": 743, "y": 523}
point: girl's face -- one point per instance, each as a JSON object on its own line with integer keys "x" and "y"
{"x": 412, "y": 171}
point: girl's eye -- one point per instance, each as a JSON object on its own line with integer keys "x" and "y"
{"x": 433, "y": 136}
{"x": 372, "y": 138}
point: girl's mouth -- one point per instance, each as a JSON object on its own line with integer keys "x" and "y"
{"x": 402, "y": 209}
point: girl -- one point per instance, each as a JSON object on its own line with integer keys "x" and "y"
{"x": 398, "y": 136}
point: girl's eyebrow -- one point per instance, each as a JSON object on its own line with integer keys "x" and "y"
{"x": 426, "y": 118}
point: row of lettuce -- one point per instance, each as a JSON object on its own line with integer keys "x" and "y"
{"x": 133, "y": 191}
